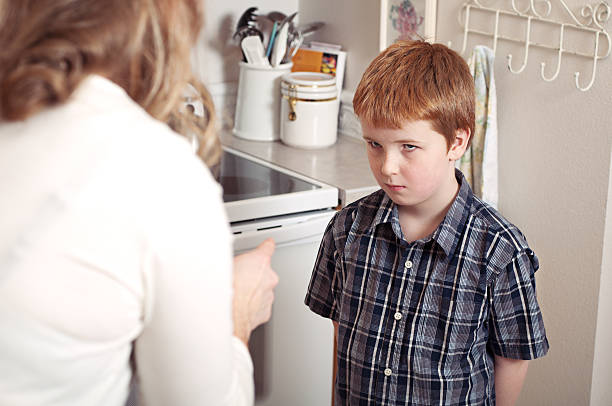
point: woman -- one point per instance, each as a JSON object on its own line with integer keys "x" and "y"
{"x": 114, "y": 245}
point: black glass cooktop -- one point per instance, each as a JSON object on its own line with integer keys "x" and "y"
{"x": 244, "y": 179}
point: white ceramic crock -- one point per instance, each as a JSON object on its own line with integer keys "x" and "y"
{"x": 257, "y": 103}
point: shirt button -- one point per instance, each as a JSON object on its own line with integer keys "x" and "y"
{"x": 408, "y": 264}
{"x": 397, "y": 316}
{"x": 388, "y": 372}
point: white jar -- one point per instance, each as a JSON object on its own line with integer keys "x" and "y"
{"x": 309, "y": 110}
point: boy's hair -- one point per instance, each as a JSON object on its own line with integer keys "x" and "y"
{"x": 416, "y": 80}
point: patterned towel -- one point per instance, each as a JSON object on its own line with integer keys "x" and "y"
{"x": 479, "y": 163}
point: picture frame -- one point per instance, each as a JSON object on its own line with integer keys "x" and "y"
{"x": 407, "y": 19}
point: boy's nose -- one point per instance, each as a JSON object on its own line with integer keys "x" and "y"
{"x": 390, "y": 165}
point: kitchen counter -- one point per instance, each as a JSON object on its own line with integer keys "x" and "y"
{"x": 344, "y": 165}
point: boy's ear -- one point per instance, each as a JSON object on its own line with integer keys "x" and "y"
{"x": 457, "y": 149}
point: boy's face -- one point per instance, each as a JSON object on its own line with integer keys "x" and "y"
{"x": 413, "y": 164}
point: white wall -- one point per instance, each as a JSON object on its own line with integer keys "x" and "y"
{"x": 354, "y": 24}
{"x": 216, "y": 56}
{"x": 601, "y": 391}
{"x": 555, "y": 146}
{"x": 555, "y": 143}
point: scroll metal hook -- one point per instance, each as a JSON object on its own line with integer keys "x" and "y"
{"x": 526, "y": 57}
{"x": 465, "y": 29}
{"x": 520, "y": 12}
{"x": 535, "y": 11}
{"x": 595, "y": 57}
{"x": 560, "y": 54}
{"x": 496, "y": 32}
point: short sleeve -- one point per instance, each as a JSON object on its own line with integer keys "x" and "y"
{"x": 324, "y": 285}
{"x": 516, "y": 324}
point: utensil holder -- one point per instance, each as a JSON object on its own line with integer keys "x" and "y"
{"x": 258, "y": 102}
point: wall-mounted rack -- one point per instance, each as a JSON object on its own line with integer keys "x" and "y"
{"x": 591, "y": 20}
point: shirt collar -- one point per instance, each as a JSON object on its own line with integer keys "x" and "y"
{"x": 447, "y": 234}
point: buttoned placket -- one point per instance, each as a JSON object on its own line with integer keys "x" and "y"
{"x": 392, "y": 367}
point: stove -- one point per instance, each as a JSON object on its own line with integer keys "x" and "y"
{"x": 255, "y": 189}
{"x": 292, "y": 353}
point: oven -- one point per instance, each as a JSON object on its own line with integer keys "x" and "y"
{"x": 292, "y": 354}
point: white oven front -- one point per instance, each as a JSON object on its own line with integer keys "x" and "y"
{"x": 292, "y": 353}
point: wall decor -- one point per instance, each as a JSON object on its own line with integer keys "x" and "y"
{"x": 407, "y": 19}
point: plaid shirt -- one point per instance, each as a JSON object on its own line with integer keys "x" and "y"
{"x": 420, "y": 322}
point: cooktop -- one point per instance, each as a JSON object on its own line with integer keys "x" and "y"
{"x": 243, "y": 179}
{"x": 256, "y": 189}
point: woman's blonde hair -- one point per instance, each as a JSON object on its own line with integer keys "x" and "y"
{"x": 50, "y": 46}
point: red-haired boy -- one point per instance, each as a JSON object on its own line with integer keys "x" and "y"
{"x": 430, "y": 290}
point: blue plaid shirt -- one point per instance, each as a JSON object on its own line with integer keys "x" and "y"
{"x": 420, "y": 322}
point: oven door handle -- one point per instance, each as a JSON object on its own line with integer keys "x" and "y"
{"x": 284, "y": 235}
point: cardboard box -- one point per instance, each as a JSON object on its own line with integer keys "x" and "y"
{"x": 320, "y": 57}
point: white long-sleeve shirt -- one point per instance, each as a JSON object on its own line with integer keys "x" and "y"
{"x": 113, "y": 238}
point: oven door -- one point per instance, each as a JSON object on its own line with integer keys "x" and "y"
{"x": 292, "y": 353}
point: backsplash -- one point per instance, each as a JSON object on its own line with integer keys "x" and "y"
{"x": 348, "y": 123}
{"x": 224, "y": 98}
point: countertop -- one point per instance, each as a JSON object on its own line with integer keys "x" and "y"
{"x": 344, "y": 165}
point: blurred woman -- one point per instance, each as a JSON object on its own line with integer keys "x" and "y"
{"x": 115, "y": 251}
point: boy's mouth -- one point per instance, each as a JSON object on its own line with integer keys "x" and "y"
{"x": 395, "y": 188}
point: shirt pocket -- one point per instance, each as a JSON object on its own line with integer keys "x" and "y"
{"x": 449, "y": 335}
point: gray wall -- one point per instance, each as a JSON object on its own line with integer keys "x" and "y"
{"x": 555, "y": 145}
{"x": 554, "y": 160}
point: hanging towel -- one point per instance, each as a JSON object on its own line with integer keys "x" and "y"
{"x": 479, "y": 163}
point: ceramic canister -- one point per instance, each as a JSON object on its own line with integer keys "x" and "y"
{"x": 309, "y": 110}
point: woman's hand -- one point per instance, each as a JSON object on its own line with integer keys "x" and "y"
{"x": 254, "y": 282}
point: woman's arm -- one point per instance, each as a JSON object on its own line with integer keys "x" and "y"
{"x": 187, "y": 353}
{"x": 254, "y": 283}
{"x": 509, "y": 377}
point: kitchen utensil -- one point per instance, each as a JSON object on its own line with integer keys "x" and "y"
{"x": 247, "y": 26}
{"x": 280, "y": 46}
{"x": 276, "y": 16}
{"x": 247, "y": 19}
{"x": 310, "y": 28}
{"x": 280, "y": 43}
{"x": 254, "y": 51}
{"x": 265, "y": 25}
{"x": 294, "y": 42}
{"x": 272, "y": 37}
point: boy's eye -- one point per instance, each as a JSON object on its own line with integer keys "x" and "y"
{"x": 409, "y": 147}
{"x": 373, "y": 144}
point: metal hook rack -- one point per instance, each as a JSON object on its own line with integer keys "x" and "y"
{"x": 593, "y": 19}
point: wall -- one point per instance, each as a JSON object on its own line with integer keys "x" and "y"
{"x": 554, "y": 144}
{"x": 554, "y": 161}
{"x": 601, "y": 391}
{"x": 215, "y": 58}
{"x": 354, "y": 24}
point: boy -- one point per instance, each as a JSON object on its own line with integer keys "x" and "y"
{"x": 430, "y": 290}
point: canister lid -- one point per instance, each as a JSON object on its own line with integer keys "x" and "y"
{"x": 309, "y": 85}
{"x": 310, "y": 79}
